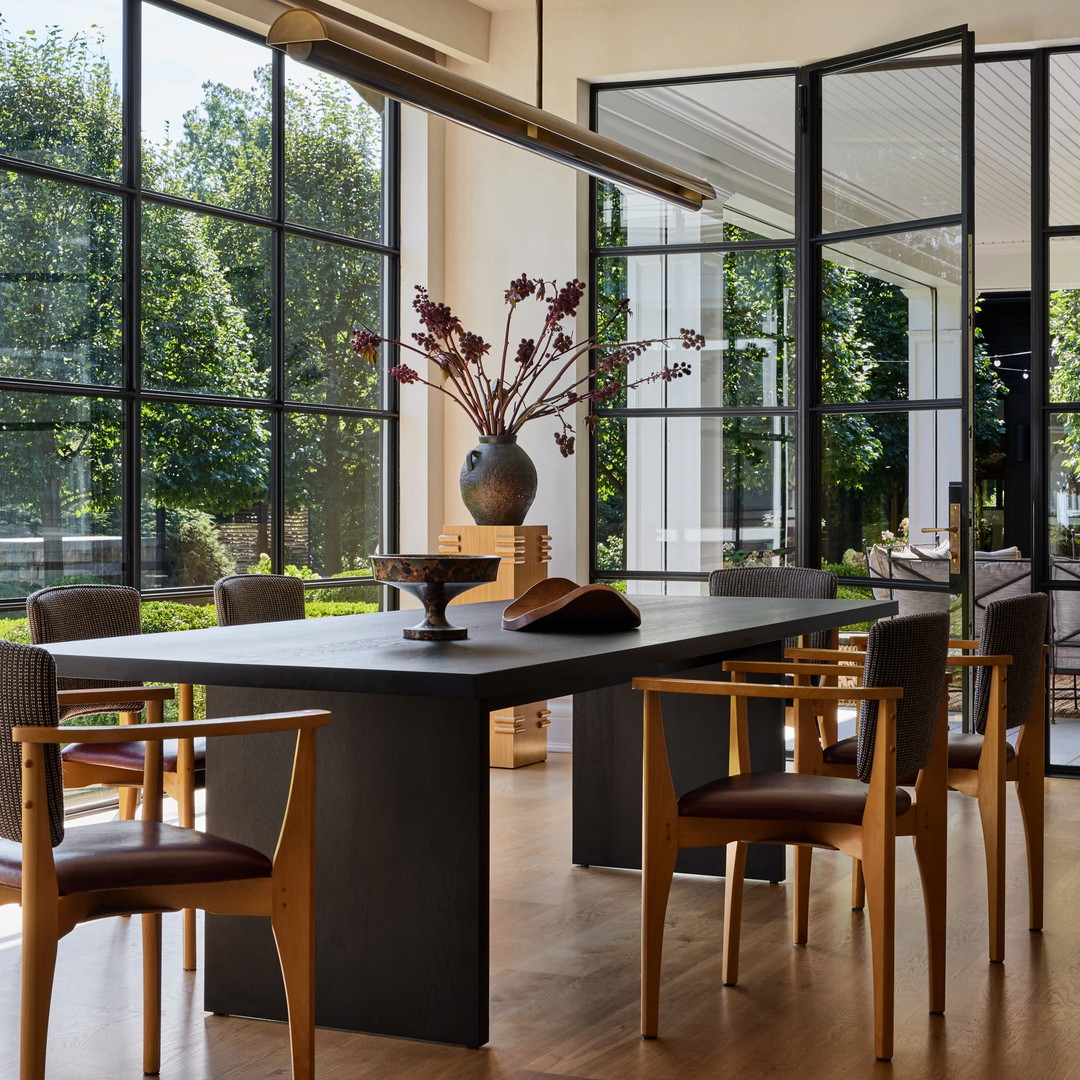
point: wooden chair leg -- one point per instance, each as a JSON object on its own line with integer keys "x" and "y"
{"x": 733, "y": 896}
{"x": 151, "y": 942}
{"x": 828, "y": 723}
{"x": 992, "y": 818}
{"x": 804, "y": 860}
{"x": 1030, "y": 790}
{"x": 932, "y": 857}
{"x": 293, "y": 924}
{"x": 879, "y": 871}
{"x": 858, "y": 886}
{"x": 40, "y": 932}
{"x": 656, "y": 878}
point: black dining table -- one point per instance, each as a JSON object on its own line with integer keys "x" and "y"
{"x": 403, "y": 777}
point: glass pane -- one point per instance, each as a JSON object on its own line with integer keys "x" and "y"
{"x": 61, "y": 289}
{"x": 205, "y": 492}
{"x": 205, "y": 304}
{"x": 1064, "y": 139}
{"x": 884, "y": 479}
{"x": 742, "y": 302}
{"x": 205, "y": 113}
{"x": 891, "y": 141}
{"x": 333, "y": 154}
{"x": 1064, "y": 509}
{"x": 891, "y": 318}
{"x": 1064, "y": 316}
{"x": 333, "y": 492}
{"x": 60, "y": 77}
{"x": 1003, "y": 175}
{"x": 60, "y": 489}
{"x": 693, "y": 493}
{"x": 739, "y": 134}
{"x": 330, "y": 290}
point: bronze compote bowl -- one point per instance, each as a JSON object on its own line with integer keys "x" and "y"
{"x": 435, "y": 580}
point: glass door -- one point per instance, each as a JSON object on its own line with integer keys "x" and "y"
{"x": 885, "y": 321}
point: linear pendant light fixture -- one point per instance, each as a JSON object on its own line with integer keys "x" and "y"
{"x": 351, "y": 54}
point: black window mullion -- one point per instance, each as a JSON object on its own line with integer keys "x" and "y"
{"x": 278, "y": 287}
{"x": 1040, "y": 318}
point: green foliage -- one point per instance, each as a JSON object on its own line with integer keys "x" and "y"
{"x": 194, "y": 552}
{"x": 17, "y": 630}
{"x": 164, "y": 616}
{"x": 321, "y": 609}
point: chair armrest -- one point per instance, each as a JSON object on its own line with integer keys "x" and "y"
{"x": 192, "y": 729}
{"x": 114, "y": 693}
{"x": 978, "y": 661}
{"x": 836, "y": 655}
{"x": 782, "y": 667}
{"x": 959, "y": 644}
{"x": 766, "y": 690}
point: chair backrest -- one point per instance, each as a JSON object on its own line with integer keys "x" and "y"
{"x": 243, "y": 599}
{"x": 78, "y": 612}
{"x": 909, "y": 651}
{"x": 27, "y": 698}
{"x": 779, "y": 582}
{"x": 1016, "y": 627}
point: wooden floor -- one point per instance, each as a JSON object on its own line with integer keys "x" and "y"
{"x": 564, "y": 962}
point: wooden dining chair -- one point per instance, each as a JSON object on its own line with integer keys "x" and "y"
{"x": 78, "y": 612}
{"x": 901, "y": 732}
{"x": 66, "y": 876}
{"x": 243, "y": 599}
{"x": 1010, "y": 696}
{"x": 788, "y": 583}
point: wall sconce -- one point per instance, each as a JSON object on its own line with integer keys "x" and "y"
{"x": 358, "y": 57}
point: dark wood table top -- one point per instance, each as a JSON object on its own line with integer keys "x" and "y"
{"x": 367, "y": 654}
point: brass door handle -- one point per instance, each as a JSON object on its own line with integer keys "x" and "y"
{"x": 942, "y": 528}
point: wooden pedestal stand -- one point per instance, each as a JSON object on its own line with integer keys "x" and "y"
{"x": 519, "y": 734}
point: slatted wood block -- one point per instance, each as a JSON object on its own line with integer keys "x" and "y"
{"x": 518, "y": 735}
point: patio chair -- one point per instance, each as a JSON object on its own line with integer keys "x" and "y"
{"x": 901, "y": 732}
{"x": 78, "y": 612}
{"x": 243, "y": 599}
{"x": 62, "y": 877}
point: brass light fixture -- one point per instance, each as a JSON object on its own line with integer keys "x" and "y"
{"x": 351, "y": 54}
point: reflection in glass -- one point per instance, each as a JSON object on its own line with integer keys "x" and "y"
{"x": 206, "y": 121}
{"x": 333, "y": 492}
{"x": 693, "y": 493}
{"x": 330, "y": 290}
{"x": 205, "y": 492}
{"x": 891, "y": 318}
{"x": 737, "y": 133}
{"x": 205, "y": 304}
{"x": 60, "y": 489}
{"x": 60, "y": 293}
{"x": 885, "y": 477}
{"x": 333, "y": 154}
{"x": 891, "y": 141}
{"x": 60, "y": 78}
{"x": 1064, "y": 139}
{"x": 741, "y": 301}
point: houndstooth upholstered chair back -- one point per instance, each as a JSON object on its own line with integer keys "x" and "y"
{"x": 78, "y": 612}
{"x": 27, "y": 699}
{"x": 243, "y": 599}
{"x": 782, "y": 583}
{"x": 1016, "y": 627}
{"x": 910, "y": 652}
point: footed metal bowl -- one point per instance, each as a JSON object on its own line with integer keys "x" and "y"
{"x": 435, "y": 580}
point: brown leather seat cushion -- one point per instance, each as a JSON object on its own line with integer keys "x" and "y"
{"x": 964, "y": 751}
{"x": 122, "y": 854}
{"x": 130, "y": 755}
{"x": 846, "y": 752}
{"x": 784, "y": 797}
